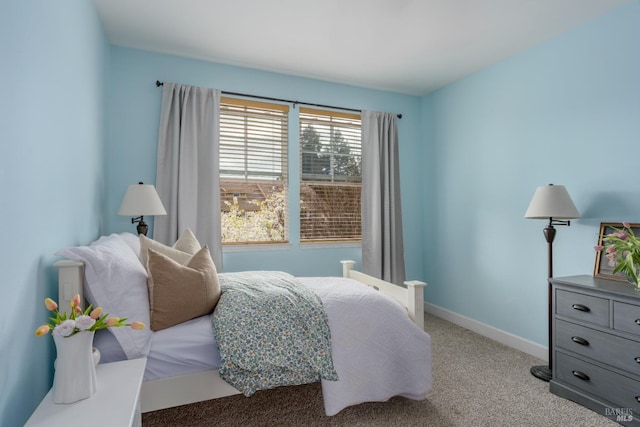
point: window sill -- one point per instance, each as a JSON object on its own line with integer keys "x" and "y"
{"x": 329, "y": 245}
{"x": 256, "y": 247}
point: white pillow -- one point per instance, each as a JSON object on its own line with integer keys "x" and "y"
{"x": 116, "y": 281}
{"x": 133, "y": 241}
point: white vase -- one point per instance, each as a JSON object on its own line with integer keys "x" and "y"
{"x": 75, "y": 372}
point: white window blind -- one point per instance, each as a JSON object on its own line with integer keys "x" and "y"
{"x": 253, "y": 171}
{"x": 330, "y": 175}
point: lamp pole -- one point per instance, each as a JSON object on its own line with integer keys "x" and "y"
{"x": 545, "y": 373}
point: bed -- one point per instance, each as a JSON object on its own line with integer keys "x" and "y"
{"x": 183, "y": 362}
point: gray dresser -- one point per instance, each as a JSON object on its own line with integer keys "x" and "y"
{"x": 596, "y": 345}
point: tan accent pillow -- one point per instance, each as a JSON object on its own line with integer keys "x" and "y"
{"x": 181, "y": 251}
{"x": 177, "y": 292}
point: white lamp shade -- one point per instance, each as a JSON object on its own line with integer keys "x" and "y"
{"x": 552, "y": 201}
{"x": 141, "y": 199}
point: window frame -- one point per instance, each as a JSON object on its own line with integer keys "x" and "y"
{"x": 239, "y": 145}
{"x": 333, "y": 119}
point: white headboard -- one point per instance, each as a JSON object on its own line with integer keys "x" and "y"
{"x": 70, "y": 282}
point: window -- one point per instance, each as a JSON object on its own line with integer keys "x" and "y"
{"x": 330, "y": 176}
{"x": 253, "y": 171}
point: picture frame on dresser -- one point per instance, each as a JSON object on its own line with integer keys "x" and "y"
{"x": 602, "y": 269}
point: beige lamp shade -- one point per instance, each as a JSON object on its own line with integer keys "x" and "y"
{"x": 141, "y": 199}
{"x": 552, "y": 201}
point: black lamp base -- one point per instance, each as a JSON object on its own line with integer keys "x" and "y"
{"x": 541, "y": 372}
{"x": 142, "y": 228}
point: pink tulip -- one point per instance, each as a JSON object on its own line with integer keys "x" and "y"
{"x": 626, "y": 225}
{"x": 137, "y": 325}
{"x": 598, "y": 248}
{"x": 42, "y": 330}
{"x": 112, "y": 321}
{"x": 75, "y": 302}
{"x": 611, "y": 250}
{"x": 96, "y": 313}
{"x": 621, "y": 235}
{"x": 50, "y": 304}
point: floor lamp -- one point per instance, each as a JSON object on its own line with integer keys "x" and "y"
{"x": 550, "y": 202}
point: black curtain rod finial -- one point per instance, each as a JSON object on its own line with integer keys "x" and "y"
{"x": 159, "y": 83}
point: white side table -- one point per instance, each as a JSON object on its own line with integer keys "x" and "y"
{"x": 115, "y": 403}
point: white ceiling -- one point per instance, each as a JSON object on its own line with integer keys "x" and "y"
{"x": 405, "y": 46}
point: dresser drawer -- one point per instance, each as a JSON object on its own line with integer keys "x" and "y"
{"x": 619, "y": 352}
{"x": 626, "y": 317}
{"x": 623, "y": 392}
{"x": 585, "y": 308}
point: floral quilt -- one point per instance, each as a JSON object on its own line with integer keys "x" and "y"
{"x": 271, "y": 331}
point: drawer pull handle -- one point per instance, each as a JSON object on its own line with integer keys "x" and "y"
{"x": 581, "y": 307}
{"x": 581, "y": 375}
{"x": 638, "y": 398}
{"x": 638, "y": 322}
{"x": 637, "y": 359}
{"x": 579, "y": 340}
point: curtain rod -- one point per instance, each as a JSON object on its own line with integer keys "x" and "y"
{"x": 159, "y": 83}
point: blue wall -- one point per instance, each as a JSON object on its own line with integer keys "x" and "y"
{"x": 53, "y": 58}
{"x": 133, "y": 123}
{"x": 565, "y": 112}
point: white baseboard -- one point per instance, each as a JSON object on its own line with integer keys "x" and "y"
{"x": 506, "y": 338}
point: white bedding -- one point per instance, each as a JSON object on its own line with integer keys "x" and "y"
{"x": 377, "y": 350}
{"x": 183, "y": 349}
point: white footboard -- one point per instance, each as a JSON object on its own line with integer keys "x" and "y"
{"x": 411, "y": 297}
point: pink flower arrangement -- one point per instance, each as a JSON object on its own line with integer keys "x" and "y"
{"x": 622, "y": 249}
{"x": 88, "y": 320}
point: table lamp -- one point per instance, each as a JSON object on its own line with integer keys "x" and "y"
{"x": 139, "y": 200}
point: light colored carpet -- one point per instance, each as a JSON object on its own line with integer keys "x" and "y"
{"x": 477, "y": 382}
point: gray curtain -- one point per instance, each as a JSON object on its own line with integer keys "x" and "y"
{"x": 187, "y": 177}
{"x": 382, "y": 244}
